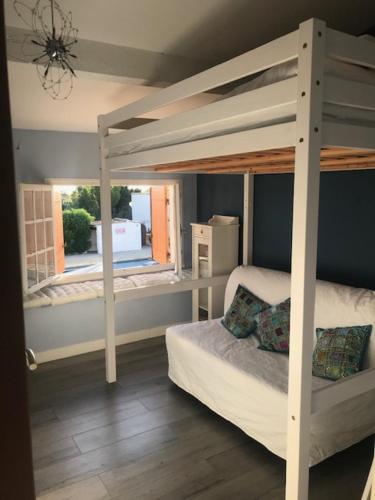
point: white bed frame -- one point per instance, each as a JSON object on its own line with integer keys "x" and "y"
{"x": 311, "y": 44}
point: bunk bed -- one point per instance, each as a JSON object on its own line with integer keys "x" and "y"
{"x": 308, "y": 105}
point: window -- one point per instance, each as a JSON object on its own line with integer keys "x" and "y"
{"x": 38, "y": 235}
{"x": 145, "y": 230}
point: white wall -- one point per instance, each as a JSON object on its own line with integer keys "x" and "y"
{"x": 53, "y": 327}
{"x": 141, "y": 209}
{"x": 126, "y": 236}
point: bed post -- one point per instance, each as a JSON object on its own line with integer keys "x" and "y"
{"x": 106, "y": 217}
{"x": 248, "y": 212}
{"x": 311, "y": 54}
{"x": 178, "y": 233}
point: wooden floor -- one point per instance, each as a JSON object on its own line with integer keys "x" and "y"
{"x": 143, "y": 438}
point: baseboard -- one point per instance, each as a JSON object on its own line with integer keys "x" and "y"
{"x": 96, "y": 345}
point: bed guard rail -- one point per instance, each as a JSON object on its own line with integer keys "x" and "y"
{"x": 342, "y": 390}
{"x": 183, "y": 285}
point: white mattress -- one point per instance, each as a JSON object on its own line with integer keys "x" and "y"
{"x": 54, "y": 295}
{"x": 279, "y": 114}
{"x": 248, "y": 387}
{"x": 149, "y": 279}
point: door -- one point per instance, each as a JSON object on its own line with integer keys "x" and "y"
{"x": 16, "y": 472}
{"x": 159, "y": 224}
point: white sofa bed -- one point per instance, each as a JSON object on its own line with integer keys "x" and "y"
{"x": 248, "y": 386}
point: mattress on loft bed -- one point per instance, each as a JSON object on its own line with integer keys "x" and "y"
{"x": 248, "y": 386}
{"x": 267, "y": 117}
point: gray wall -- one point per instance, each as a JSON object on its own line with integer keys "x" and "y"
{"x": 42, "y": 154}
{"x": 46, "y": 154}
{"x": 346, "y": 238}
{"x": 60, "y": 326}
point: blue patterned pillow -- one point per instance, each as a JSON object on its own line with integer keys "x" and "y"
{"x": 274, "y": 327}
{"x": 239, "y": 319}
{"x": 339, "y": 352}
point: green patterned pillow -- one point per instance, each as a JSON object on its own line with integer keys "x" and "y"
{"x": 274, "y": 327}
{"x": 339, "y": 352}
{"x": 239, "y": 319}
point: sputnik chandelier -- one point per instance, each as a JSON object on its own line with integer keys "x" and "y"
{"x": 54, "y": 35}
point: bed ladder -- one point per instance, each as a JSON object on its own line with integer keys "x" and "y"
{"x": 369, "y": 491}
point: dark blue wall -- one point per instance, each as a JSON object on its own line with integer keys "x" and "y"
{"x": 346, "y": 245}
{"x": 220, "y": 195}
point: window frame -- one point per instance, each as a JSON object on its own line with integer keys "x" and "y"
{"x": 24, "y": 187}
{"x": 177, "y": 236}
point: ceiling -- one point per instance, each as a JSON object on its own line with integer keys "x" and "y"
{"x": 205, "y": 32}
{"x": 32, "y": 108}
{"x": 213, "y": 30}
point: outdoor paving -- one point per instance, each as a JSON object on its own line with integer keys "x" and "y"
{"x": 90, "y": 259}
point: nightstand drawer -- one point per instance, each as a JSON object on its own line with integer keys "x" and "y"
{"x": 201, "y": 231}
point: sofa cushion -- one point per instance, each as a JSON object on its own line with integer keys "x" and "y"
{"x": 335, "y": 305}
{"x": 339, "y": 351}
{"x": 240, "y": 317}
{"x": 274, "y": 327}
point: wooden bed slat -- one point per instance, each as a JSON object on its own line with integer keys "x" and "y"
{"x": 273, "y": 161}
{"x": 335, "y": 164}
{"x": 286, "y": 169}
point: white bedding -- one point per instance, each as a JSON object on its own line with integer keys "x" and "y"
{"x": 248, "y": 386}
{"x": 149, "y": 279}
{"x": 54, "y": 295}
{"x": 278, "y": 114}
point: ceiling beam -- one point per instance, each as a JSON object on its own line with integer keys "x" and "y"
{"x": 111, "y": 62}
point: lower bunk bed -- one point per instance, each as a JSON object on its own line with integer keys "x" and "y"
{"x": 249, "y": 386}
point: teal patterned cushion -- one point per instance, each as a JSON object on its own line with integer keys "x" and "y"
{"x": 339, "y": 352}
{"x": 239, "y": 319}
{"x": 273, "y": 327}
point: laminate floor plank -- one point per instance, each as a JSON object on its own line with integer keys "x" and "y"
{"x": 89, "y": 489}
{"x": 104, "y": 435}
{"x": 117, "y": 454}
{"x": 54, "y": 451}
{"x": 248, "y": 486}
{"x": 245, "y": 458}
{"x": 170, "y": 396}
{"x": 109, "y": 395}
{"x": 144, "y": 438}
{"x": 92, "y": 370}
{"x": 175, "y": 459}
{"x": 158, "y": 482}
{"x": 87, "y": 422}
{"x": 43, "y": 417}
